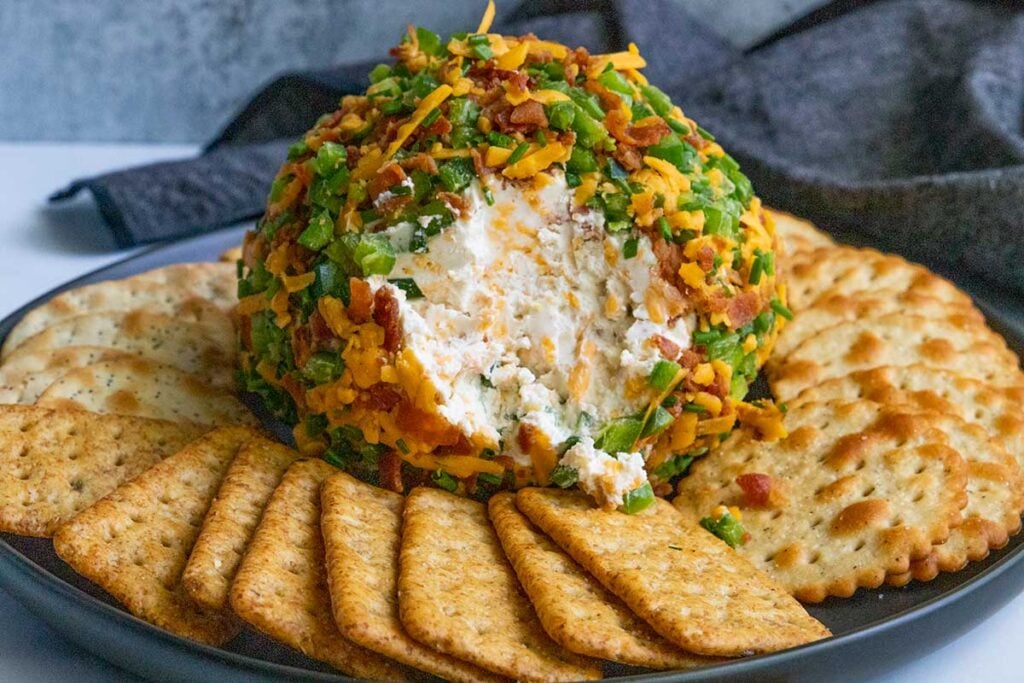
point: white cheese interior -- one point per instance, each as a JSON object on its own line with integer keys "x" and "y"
{"x": 522, "y": 299}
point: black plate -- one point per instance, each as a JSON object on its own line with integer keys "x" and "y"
{"x": 874, "y": 631}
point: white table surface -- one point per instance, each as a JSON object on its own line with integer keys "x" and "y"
{"x": 42, "y": 247}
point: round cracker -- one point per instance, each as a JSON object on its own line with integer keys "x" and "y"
{"x": 797, "y": 234}
{"x": 858, "y": 491}
{"x": 25, "y": 377}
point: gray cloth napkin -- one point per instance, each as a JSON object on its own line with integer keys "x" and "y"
{"x": 898, "y": 120}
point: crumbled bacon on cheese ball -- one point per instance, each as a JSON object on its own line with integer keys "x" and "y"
{"x": 509, "y": 262}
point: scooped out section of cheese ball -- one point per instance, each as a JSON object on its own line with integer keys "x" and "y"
{"x": 509, "y": 263}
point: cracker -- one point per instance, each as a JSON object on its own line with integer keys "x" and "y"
{"x": 691, "y": 587}
{"x": 134, "y": 542}
{"x": 54, "y": 464}
{"x": 233, "y": 518}
{"x": 121, "y": 295}
{"x": 362, "y": 527}
{"x": 858, "y": 490}
{"x": 25, "y": 377}
{"x": 838, "y": 308}
{"x": 575, "y": 610}
{"x": 144, "y": 388}
{"x": 996, "y": 409}
{"x": 458, "y": 594}
{"x": 797, "y": 234}
{"x": 844, "y": 270}
{"x": 215, "y": 282}
{"x": 895, "y": 339}
{"x": 161, "y": 338}
{"x": 281, "y": 585}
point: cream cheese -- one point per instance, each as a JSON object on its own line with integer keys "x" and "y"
{"x": 605, "y": 477}
{"x": 530, "y": 314}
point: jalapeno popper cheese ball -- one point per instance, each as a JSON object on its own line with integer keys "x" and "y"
{"x": 510, "y": 262}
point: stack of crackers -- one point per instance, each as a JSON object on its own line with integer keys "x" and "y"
{"x": 905, "y": 441}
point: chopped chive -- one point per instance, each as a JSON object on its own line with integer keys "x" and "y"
{"x": 674, "y": 466}
{"x": 445, "y": 480}
{"x": 409, "y": 286}
{"x": 564, "y": 476}
{"x": 630, "y": 247}
{"x": 781, "y": 309}
{"x": 488, "y": 196}
{"x": 665, "y": 228}
{"x": 402, "y": 446}
{"x": 518, "y": 154}
{"x": 694, "y": 408}
{"x": 488, "y": 478}
{"x": 678, "y": 126}
{"x": 726, "y": 528}
{"x": 430, "y": 118}
{"x": 663, "y": 373}
{"x": 638, "y": 499}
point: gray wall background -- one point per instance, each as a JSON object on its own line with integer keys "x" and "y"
{"x": 177, "y": 70}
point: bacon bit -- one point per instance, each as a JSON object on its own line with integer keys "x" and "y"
{"x": 706, "y": 258}
{"x": 361, "y": 300}
{"x": 648, "y": 131}
{"x": 389, "y": 467}
{"x": 696, "y": 140}
{"x": 675, "y": 303}
{"x": 757, "y": 488}
{"x": 478, "y": 161}
{"x": 388, "y": 176}
{"x": 524, "y": 437}
{"x": 669, "y": 349}
{"x": 354, "y": 153}
{"x": 420, "y": 162}
{"x": 302, "y": 345}
{"x": 490, "y": 77}
{"x": 460, "y": 447}
{"x": 385, "y": 314}
{"x": 380, "y": 396}
{"x": 743, "y": 308}
{"x": 295, "y": 390}
{"x": 455, "y": 202}
{"x": 689, "y": 359}
{"x": 629, "y": 157}
{"x": 319, "y": 329}
{"x": 440, "y": 127}
{"x": 529, "y": 113}
{"x": 669, "y": 257}
{"x": 255, "y": 250}
{"x": 245, "y": 330}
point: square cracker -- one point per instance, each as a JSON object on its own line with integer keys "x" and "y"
{"x": 134, "y": 542}
{"x": 232, "y": 520}
{"x": 575, "y": 610}
{"x": 458, "y": 594}
{"x": 54, "y": 463}
{"x": 281, "y": 585}
{"x": 691, "y": 587}
{"x": 362, "y": 527}
{"x": 857, "y": 490}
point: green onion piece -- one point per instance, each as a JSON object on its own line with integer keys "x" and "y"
{"x": 638, "y": 499}
{"x": 456, "y": 174}
{"x": 480, "y": 46}
{"x": 518, "y": 153}
{"x": 374, "y": 254}
{"x": 617, "y": 83}
{"x": 391, "y": 107}
{"x": 542, "y": 139}
{"x": 673, "y": 150}
{"x": 430, "y": 43}
{"x": 694, "y": 408}
{"x": 738, "y": 386}
{"x": 379, "y": 73}
{"x": 587, "y": 102}
{"x": 402, "y": 446}
{"x": 297, "y": 150}
{"x": 445, "y": 480}
{"x": 665, "y": 228}
{"x": 674, "y": 466}
{"x": 705, "y": 134}
{"x": 663, "y": 373}
{"x": 659, "y": 101}
{"x": 331, "y": 280}
{"x": 409, "y": 286}
{"x": 319, "y": 231}
{"x": 619, "y": 435}
{"x": 581, "y": 161}
{"x": 678, "y": 126}
{"x": 488, "y": 478}
{"x": 488, "y": 196}
{"x": 781, "y": 309}
{"x": 277, "y": 187}
{"x": 463, "y": 111}
{"x": 564, "y": 476}
{"x": 329, "y": 158}
{"x": 726, "y": 528}
{"x": 560, "y": 115}
{"x": 315, "y": 425}
{"x": 430, "y": 118}
{"x": 659, "y": 420}
{"x": 590, "y": 132}
{"x": 500, "y": 140}
{"x": 630, "y": 248}
{"x": 323, "y": 367}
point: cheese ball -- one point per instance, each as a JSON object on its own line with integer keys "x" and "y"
{"x": 509, "y": 262}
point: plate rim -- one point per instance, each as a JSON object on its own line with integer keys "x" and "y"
{"x": 14, "y": 560}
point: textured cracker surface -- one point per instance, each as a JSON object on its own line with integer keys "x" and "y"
{"x": 827, "y": 271}
{"x": 575, "y": 610}
{"x": 281, "y": 585}
{"x": 122, "y": 295}
{"x": 965, "y": 347}
{"x": 797, "y": 234}
{"x": 691, "y": 587}
{"x": 838, "y": 308}
{"x": 161, "y": 338}
{"x": 144, "y": 388}
{"x": 997, "y": 409}
{"x": 232, "y": 519}
{"x": 215, "y": 282}
{"x": 362, "y": 528}
{"x": 134, "y": 542}
{"x": 859, "y": 490}
{"x": 54, "y": 464}
{"x": 25, "y": 377}
{"x": 459, "y": 595}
